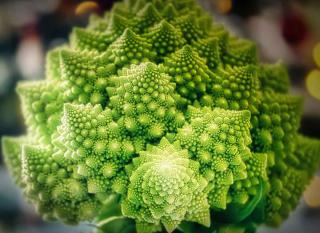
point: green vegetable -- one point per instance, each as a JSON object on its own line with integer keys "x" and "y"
{"x": 156, "y": 119}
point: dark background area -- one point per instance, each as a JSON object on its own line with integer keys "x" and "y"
{"x": 286, "y": 30}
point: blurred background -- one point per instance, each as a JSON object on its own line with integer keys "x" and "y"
{"x": 287, "y": 30}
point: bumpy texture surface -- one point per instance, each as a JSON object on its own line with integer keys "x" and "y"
{"x": 160, "y": 107}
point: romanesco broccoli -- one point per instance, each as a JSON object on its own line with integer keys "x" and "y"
{"x": 155, "y": 118}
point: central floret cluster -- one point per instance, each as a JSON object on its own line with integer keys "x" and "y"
{"x": 161, "y": 107}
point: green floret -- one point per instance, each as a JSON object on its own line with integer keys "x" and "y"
{"x": 169, "y": 12}
{"x": 285, "y": 192}
{"x": 166, "y": 188}
{"x": 84, "y": 76}
{"x": 128, "y": 49}
{"x": 234, "y": 88}
{"x": 240, "y": 52}
{"x": 209, "y": 49}
{"x": 147, "y": 17}
{"x": 307, "y": 154}
{"x": 85, "y": 39}
{"x": 154, "y": 118}
{"x": 53, "y": 69}
{"x": 165, "y": 39}
{"x": 12, "y": 149}
{"x": 189, "y": 72}
{"x": 144, "y": 99}
{"x": 96, "y": 144}
{"x": 218, "y": 139}
{"x": 42, "y": 103}
{"x": 48, "y": 184}
{"x": 97, "y": 23}
{"x": 274, "y": 78}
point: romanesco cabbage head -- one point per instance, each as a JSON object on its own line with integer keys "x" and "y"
{"x": 155, "y": 119}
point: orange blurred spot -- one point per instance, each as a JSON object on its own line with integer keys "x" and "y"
{"x": 316, "y": 54}
{"x": 223, "y": 6}
{"x": 86, "y": 7}
{"x": 312, "y": 194}
{"x": 313, "y": 83}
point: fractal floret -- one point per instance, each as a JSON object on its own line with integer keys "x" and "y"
{"x": 154, "y": 118}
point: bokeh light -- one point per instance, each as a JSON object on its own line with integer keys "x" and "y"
{"x": 86, "y": 7}
{"x": 313, "y": 83}
{"x": 316, "y": 54}
{"x": 223, "y": 6}
{"x": 312, "y": 194}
